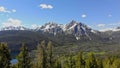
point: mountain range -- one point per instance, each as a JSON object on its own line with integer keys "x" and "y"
{"x": 75, "y": 28}
{"x": 74, "y": 35}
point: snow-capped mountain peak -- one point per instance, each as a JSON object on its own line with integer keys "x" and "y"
{"x": 77, "y": 29}
{"x": 110, "y": 29}
{"x": 51, "y": 27}
{"x": 14, "y": 28}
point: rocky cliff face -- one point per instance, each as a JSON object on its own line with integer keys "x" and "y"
{"x": 77, "y": 29}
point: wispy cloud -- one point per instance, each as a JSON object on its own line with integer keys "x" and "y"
{"x": 13, "y": 10}
{"x": 5, "y": 10}
{"x": 83, "y": 15}
{"x": 114, "y": 24}
{"x": 106, "y": 29}
{"x": 11, "y": 22}
{"x": 46, "y": 6}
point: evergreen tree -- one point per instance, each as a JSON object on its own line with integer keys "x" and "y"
{"x": 4, "y": 56}
{"x": 57, "y": 63}
{"x": 116, "y": 64}
{"x": 24, "y": 58}
{"x": 50, "y": 54}
{"x": 99, "y": 63}
{"x": 64, "y": 62}
{"x": 91, "y": 61}
{"x": 41, "y": 57}
{"x": 71, "y": 61}
{"x": 80, "y": 63}
{"x": 108, "y": 62}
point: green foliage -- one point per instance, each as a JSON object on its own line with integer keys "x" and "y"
{"x": 50, "y": 54}
{"x": 24, "y": 60}
{"x": 91, "y": 61}
{"x": 41, "y": 56}
{"x": 71, "y": 60}
{"x": 46, "y": 58}
{"x": 99, "y": 63}
{"x": 80, "y": 63}
{"x": 4, "y": 56}
{"x": 57, "y": 63}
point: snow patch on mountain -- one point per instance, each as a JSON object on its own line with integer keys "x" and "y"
{"x": 14, "y": 28}
{"x": 77, "y": 29}
{"x": 110, "y": 29}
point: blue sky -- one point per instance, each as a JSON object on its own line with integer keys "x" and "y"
{"x": 98, "y": 14}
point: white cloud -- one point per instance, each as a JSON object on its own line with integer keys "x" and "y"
{"x": 114, "y": 24}
{"x": 84, "y": 16}
{"x": 105, "y": 29}
{"x": 3, "y": 9}
{"x": 109, "y": 29}
{"x": 46, "y": 6}
{"x": 101, "y": 25}
{"x": 13, "y": 10}
{"x": 11, "y": 22}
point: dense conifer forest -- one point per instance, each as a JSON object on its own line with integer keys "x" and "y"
{"x": 44, "y": 57}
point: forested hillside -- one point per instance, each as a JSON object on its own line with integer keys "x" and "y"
{"x": 45, "y": 57}
{"x": 107, "y": 42}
